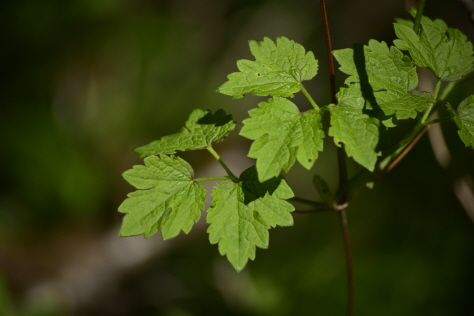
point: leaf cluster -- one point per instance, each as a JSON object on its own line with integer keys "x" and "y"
{"x": 380, "y": 90}
{"x": 171, "y": 200}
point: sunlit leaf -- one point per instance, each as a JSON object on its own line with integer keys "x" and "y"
{"x": 201, "y": 130}
{"x": 168, "y": 199}
{"x": 278, "y": 70}
{"x": 242, "y": 213}
{"x": 282, "y": 135}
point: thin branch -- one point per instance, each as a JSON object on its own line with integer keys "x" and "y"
{"x": 419, "y": 14}
{"x": 447, "y": 90}
{"x": 314, "y": 211}
{"x": 310, "y": 99}
{"x": 343, "y": 178}
{"x": 308, "y": 202}
{"x": 430, "y": 107}
{"x": 349, "y": 262}
{"x": 332, "y": 81}
{"x": 394, "y": 155}
{"x": 439, "y": 120}
{"x": 318, "y": 206}
{"x": 402, "y": 154}
{"x": 218, "y": 158}
{"x": 332, "y": 72}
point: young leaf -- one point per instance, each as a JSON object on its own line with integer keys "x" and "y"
{"x": 385, "y": 79}
{"x": 444, "y": 51}
{"x": 242, "y": 213}
{"x": 282, "y": 134}
{"x": 465, "y": 121}
{"x": 358, "y": 132}
{"x": 202, "y": 129}
{"x": 278, "y": 70}
{"x": 168, "y": 199}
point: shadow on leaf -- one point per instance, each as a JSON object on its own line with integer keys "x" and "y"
{"x": 253, "y": 189}
{"x": 219, "y": 118}
{"x": 371, "y": 108}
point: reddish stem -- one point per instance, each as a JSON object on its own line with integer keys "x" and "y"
{"x": 332, "y": 72}
{"x": 342, "y": 170}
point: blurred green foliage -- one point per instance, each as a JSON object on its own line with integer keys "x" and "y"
{"x": 85, "y": 82}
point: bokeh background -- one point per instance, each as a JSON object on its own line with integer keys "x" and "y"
{"x": 85, "y": 82}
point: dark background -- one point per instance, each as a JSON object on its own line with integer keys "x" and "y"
{"x": 85, "y": 82}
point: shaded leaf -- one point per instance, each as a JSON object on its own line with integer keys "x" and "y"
{"x": 445, "y": 51}
{"x": 358, "y": 132}
{"x": 384, "y": 78}
{"x": 465, "y": 121}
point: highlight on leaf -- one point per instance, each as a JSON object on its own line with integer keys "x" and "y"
{"x": 380, "y": 90}
{"x": 281, "y": 136}
{"x": 201, "y": 130}
{"x": 167, "y": 199}
{"x": 278, "y": 70}
{"x": 242, "y": 213}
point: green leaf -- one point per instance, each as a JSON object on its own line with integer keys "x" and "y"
{"x": 278, "y": 70}
{"x": 465, "y": 121}
{"x": 168, "y": 198}
{"x": 384, "y": 79}
{"x": 282, "y": 134}
{"x": 444, "y": 51}
{"x": 202, "y": 129}
{"x": 358, "y": 132}
{"x": 242, "y": 213}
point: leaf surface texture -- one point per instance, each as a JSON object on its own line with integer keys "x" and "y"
{"x": 242, "y": 213}
{"x": 278, "y": 70}
{"x": 465, "y": 121}
{"x": 168, "y": 199}
{"x": 201, "y": 130}
{"x": 282, "y": 135}
{"x": 445, "y": 51}
{"x": 384, "y": 78}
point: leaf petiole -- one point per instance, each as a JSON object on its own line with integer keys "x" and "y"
{"x": 419, "y": 14}
{"x": 218, "y": 158}
{"x": 438, "y": 120}
{"x": 447, "y": 90}
{"x": 451, "y": 109}
{"x": 399, "y": 148}
{"x": 316, "y": 204}
{"x": 437, "y": 87}
{"x": 387, "y": 163}
{"x": 310, "y": 99}
{"x": 430, "y": 107}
